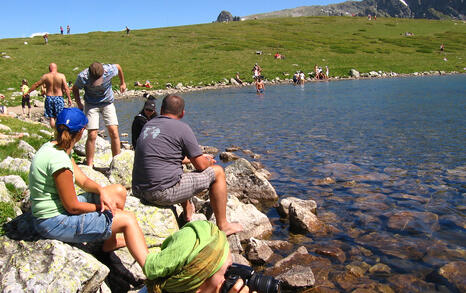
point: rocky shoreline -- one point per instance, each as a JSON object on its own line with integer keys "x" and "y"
{"x": 232, "y": 83}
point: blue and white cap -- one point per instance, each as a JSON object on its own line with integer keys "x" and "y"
{"x": 73, "y": 118}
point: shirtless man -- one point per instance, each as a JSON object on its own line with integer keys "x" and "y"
{"x": 55, "y": 84}
{"x": 260, "y": 86}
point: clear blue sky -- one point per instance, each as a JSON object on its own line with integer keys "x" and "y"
{"x": 23, "y": 18}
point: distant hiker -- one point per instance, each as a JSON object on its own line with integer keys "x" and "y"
{"x": 3, "y": 108}
{"x": 260, "y": 86}
{"x": 46, "y": 38}
{"x": 238, "y": 79}
{"x": 55, "y": 85}
{"x": 148, "y": 112}
{"x": 26, "y": 98}
{"x": 127, "y": 30}
{"x": 97, "y": 84}
{"x": 68, "y": 29}
{"x": 327, "y": 71}
{"x": 61, "y": 30}
{"x": 278, "y": 56}
{"x": 442, "y": 47}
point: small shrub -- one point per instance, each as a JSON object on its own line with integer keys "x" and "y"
{"x": 6, "y": 211}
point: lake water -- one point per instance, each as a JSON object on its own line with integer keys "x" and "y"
{"x": 395, "y": 153}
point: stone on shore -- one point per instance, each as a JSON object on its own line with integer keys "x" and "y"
{"x": 228, "y": 156}
{"x": 284, "y": 205}
{"x": 354, "y": 73}
{"x": 16, "y": 164}
{"x": 244, "y": 181}
{"x": 28, "y": 150}
{"x": 258, "y": 251}
{"x": 16, "y": 181}
{"x": 56, "y": 266}
{"x": 121, "y": 169}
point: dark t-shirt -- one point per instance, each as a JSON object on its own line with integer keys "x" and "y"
{"x": 161, "y": 147}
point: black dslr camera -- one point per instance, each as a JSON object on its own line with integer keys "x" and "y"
{"x": 255, "y": 282}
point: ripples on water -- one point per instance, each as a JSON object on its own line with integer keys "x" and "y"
{"x": 396, "y": 148}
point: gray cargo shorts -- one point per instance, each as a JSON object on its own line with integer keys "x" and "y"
{"x": 189, "y": 184}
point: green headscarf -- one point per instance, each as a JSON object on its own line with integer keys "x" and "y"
{"x": 188, "y": 258}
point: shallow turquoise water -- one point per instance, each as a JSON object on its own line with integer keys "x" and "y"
{"x": 403, "y": 142}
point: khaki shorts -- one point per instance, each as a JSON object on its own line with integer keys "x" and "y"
{"x": 108, "y": 114}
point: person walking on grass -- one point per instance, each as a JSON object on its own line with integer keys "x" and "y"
{"x": 98, "y": 97}
{"x": 26, "y": 99}
{"x": 166, "y": 143}
{"x": 55, "y": 84}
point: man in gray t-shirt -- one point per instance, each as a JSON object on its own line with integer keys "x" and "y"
{"x": 165, "y": 143}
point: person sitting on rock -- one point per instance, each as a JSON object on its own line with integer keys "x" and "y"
{"x": 148, "y": 112}
{"x": 238, "y": 79}
{"x": 97, "y": 215}
{"x": 193, "y": 259}
{"x": 163, "y": 146}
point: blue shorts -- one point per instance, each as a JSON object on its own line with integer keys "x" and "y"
{"x": 53, "y": 106}
{"x": 88, "y": 227}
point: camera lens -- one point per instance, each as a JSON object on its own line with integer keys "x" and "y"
{"x": 263, "y": 284}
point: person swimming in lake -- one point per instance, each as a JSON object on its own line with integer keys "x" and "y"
{"x": 260, "y": 86}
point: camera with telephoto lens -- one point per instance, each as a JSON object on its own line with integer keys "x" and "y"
{"x": 255, "y": 282}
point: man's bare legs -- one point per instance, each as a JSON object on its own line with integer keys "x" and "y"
{"x": 52, "y": 122}
{"x": 218, "y": 201}
{"x": 188, "y": 208}
{"x": 114, "y": 139}
{"x": 90, "y": 146}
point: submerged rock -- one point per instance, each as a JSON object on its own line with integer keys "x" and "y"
{"x": 455, "y": 273}
{"x": 413, "y": 222}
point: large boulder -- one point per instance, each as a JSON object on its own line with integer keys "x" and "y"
{"x": 255, "y": 224}
{"x": 258, "y": 251}
{"x": 58, "y": 267}
{"x": 302, "y": 219}
{"x": 121, "y": 168}
{"x": 354, "y": 73}
{"x": 284, "y": 205}
{"x": 4, "y": 193}
{"x": 5, "y": 128}
{"x": 27, "y": 149}
{"x": 94, "y": 175}
{"x": 16, "y": 164}
{"x": 244, "y": 181}
{"x": 224, "y": 16}
{"x": 16, "y": 181}
{"x": 103, "y": 152}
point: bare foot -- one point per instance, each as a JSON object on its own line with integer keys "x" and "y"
{"x": 188, "y": 210}
{"x": 231, "y": 228}
{"x": 113, "y": 243}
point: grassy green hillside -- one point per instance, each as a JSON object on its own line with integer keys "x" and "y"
{"x": 200, "y": 54}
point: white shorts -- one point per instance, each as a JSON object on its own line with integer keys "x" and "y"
{"x": 108, "y": 114}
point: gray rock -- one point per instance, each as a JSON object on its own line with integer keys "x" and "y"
{"x": 255, "y": 224}
{"x": 94, "y": 175}
{"x": 46, "y": 133}
{"x": 37, "y": 103}
{"x": 28, "y": 150}
{"x": 240, "y": 259}
{"x": 455, "y": 273}
{"x": 228, "y": 157}
{"x": 243, "y": 179}
{"x": 233, "y": 82}
{"x": 297, "y": 277}
{"x": 210, "y": 150}
{"x": 15, "y": 164}
{"x": 302, "y": 219}
{"x": 284, "y": 205}
{"x": 16, "y": 181}
{"x": 179, "y": 86}
{"x": 121, "y": 168}
{"x": 4, "y": 193}
{"x": 258, "y": 251}
{"x": 5, "y": 128}
{"x": 354, "y": 73}
{"x": 374, "y": 74}
{"x": 101, "y": 145}
{"x": 58, "y": 266}
{"x": 232, "y": 148}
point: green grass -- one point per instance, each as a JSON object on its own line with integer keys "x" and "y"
{"x": 17, "y": 126}
{"x": 210, "y": 52}
{"x": 6, "y": 211}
